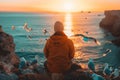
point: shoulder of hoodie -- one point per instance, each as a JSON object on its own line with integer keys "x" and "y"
{"x": 68, "y": 41}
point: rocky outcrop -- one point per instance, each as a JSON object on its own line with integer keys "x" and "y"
{"x": 7, "y": 49}
{"x": 111, "y": 23}
{"x": 116, "y": 41}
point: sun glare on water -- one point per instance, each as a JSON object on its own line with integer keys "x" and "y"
{"x": 68, "y": 25}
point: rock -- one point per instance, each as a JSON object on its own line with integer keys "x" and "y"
{"x": 116, "y": 42}
{"x": 33, "y": 77}
{"x": 1, "y": 68}
{"x": 7, "y": 49}
{"x": 13, "y": 76}
{"x": 5, "y": 77}
{"x": 27, "y": 71}
{"x": 111, "y": 22}
{"x": 77, "y": 75}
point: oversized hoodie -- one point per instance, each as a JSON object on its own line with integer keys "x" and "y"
{"x": 59, "y": 50}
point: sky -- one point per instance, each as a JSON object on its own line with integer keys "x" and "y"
{"x": 58, "y": 5}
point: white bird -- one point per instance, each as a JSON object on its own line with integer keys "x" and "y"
{"x": 25, "y": 27}
{"x": 111, "y": 68}
{"x": 91, "y": 65}
{"x": 106, "y": 52}
{"x": 115, "y": 73}
{"x": 86, "y": 38}
{"x": 106, "y": 70}
{"x": 97, "y": 77}
{"x": 44, "y": 31}
{"x": 23, "y": 59}
{"x": 22, "y": 62}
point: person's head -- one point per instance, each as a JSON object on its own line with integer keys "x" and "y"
{"x": 58, "y": 26}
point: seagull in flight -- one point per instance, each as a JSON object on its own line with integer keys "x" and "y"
{"x": 86, "y": 38}
{"x": 25, "y": 27}
{"x": 106, "y": 52}
{"x": 44, "y": 31}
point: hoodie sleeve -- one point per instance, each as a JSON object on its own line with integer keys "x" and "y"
{"x": 71, "y": 50}
{"x": 46, "y": 52}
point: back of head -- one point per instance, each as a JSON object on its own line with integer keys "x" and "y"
{"x": 58, "y": 26}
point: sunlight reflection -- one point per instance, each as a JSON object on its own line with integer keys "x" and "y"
{"x": 68, "y": 25}
{"x": 84, "y": 65}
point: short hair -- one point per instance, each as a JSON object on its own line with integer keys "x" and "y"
{"x": 58, "y": 26}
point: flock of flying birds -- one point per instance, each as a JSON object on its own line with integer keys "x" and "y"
{"x": 27, "y": 29}
{"x": 84, "y": 37}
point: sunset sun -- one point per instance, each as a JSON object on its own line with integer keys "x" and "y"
{"x": 68, "y": 7}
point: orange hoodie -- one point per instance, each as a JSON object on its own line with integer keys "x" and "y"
{"x": 59, "y": 50}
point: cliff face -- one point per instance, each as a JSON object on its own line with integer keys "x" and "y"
{"x": 7, "y": 49}
{"x": 111, "y": 22}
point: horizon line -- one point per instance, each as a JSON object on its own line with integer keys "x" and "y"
{"x": 82, "y": 11}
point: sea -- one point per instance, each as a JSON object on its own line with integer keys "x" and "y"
{"x": 31, "y": 44}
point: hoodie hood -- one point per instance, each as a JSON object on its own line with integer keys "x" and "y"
{"x": 58, "y": 39}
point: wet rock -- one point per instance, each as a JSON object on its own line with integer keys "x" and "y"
{"x": 33, "y": 77}
{"x": 116, "y": 42}
{"x": 77, "y": 75}
{"x": 4, "y": 77}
